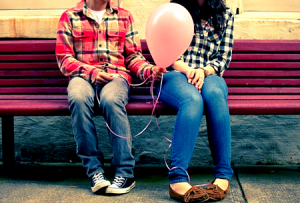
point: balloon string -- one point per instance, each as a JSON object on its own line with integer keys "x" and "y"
{"x": 155, "y": 101}
{"x": 136, "y": 85}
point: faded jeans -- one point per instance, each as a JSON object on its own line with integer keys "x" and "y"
{"x": 191, "y": 104}
{"x": 113, "y": 99}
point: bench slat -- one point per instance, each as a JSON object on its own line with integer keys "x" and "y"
{"x": 266, "y": 57}
{"x": 228, "y": 73}
{"x": 264, "y": 65}
{"x": 60, "y": 107}
{"x": 20, "y": 66}
{"x": 30, "y": 82}
{"x": 239, "y": 46}
{"x": 148, "y": 57}
{"x": 264, "y": 97}
{"x": 267, "y": 46}
{"x": 33, "y": 90}
{"x": 267, "y": 73}
{"x": 148, "y": 97}
{"x": 33, "y": 97}
{"x": 264, "y": 90}
{"x": 264, "y": 107}
{"x": 30, "y": 57}
{"x": 230, "y": 82}
{"x": 64, "y": 97}
{"x": 233, "y": 65}
{"x": 263, "y": 82}
{"x": 31, "y": 73}
{"x": 146, "y": 90}
{"x": 258, "y": 46}
{"x": 27, "y": 46}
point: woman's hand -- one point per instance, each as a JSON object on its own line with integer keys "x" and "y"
{"x": 157, "y": 72}
{"x": 196, "y": 77}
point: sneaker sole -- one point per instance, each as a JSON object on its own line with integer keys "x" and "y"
{"x": 120, "y": 191}
{"x": 100, "y": 186}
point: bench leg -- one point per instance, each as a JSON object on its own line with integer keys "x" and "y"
{"x": 8, "y": 146}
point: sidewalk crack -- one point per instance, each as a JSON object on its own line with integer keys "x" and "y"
{"x": 239, "y": 182}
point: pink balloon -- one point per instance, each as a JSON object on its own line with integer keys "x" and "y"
{"x": 169, "y": 32}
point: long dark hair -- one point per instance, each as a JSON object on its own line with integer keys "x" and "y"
{"x": 211, "y": 8}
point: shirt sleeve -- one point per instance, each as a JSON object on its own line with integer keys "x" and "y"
{"x": 221, "y": 61}
{"x": 65, "y": 54}
{"x": 135, "y": 61}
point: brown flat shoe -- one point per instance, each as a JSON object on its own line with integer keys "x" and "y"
{"x": 194, "y": 194}
{"x": 215, "y": 193}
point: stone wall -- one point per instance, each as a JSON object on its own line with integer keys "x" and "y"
{"x": 255, "y": 140}
{"x": 141, "y": 10}
{"x": 43, "y": 23}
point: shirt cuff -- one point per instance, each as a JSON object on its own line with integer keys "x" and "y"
{"x": 215, "y": 67}
{"x": 148, "y": 71}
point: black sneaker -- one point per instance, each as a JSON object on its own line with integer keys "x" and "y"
{"x": 98, "y": 181}
{"x": 121, "y": 185}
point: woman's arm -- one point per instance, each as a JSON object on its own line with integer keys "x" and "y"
{"x": 195, "y": 76}
{"x": 220, "y": 61}
{"x": 180, "y": 66}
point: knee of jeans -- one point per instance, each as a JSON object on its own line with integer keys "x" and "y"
{"x": 80, "y": 99}
{"x": 110, "y": 102}
{"x": 212, "y": 92}
{"x": 193, "y": 100}
{"x": 193, "y": 105}
{"x": 196, "y": 98}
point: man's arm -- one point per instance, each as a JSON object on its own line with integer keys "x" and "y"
{"x": 135, "y": 61}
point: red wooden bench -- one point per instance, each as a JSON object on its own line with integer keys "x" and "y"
{"x": 263, "y": 78}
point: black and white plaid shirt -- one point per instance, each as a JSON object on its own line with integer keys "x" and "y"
{"x": 209, "y": 47}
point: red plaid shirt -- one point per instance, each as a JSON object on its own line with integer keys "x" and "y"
{"x": 84, "y": 47}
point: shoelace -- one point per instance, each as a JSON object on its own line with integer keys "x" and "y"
{"x": 98, "y": 177}
{"x": 118, "y": 181}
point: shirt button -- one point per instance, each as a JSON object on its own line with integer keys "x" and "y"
{"x": 100, "y": 32}
{"x": 82, "y": 33}
{"x": 100, "y": 45}
{"x": 116, "y": 33}
{"x": 101, "y": 59}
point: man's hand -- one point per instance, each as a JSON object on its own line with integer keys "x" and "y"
{"x": 157, "y": 72}
{"x": 103, "y": 78}
{"x": 196, "y": 77}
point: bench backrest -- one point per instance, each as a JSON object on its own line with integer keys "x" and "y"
{"x": 258, "y": 67}
{"x": 28, "y": 67}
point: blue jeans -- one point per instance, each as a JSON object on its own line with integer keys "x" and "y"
{"x": 178, "y": 93}
{"x": 113, "y": 99}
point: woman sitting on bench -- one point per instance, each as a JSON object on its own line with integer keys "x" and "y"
{"x": 194, "y": 84}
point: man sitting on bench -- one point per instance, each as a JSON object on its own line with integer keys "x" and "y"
{"x": 97, "y": 48}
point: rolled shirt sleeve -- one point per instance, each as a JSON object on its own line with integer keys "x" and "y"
{"x": 220, "y": 62}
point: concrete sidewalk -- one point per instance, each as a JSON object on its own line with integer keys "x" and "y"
{"x": 39, "y": 183}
